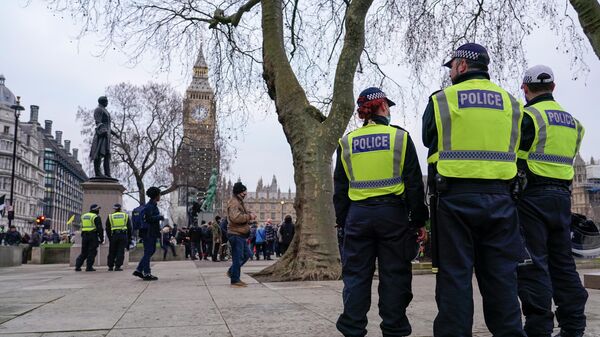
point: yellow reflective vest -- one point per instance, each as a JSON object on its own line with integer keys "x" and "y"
{"x": 479, "y": 128}
{"x": 118, "y": 221}
{"x": 557, "y": 139}
{"x": 373, "y": 159}
{"x": 87, "y": 222}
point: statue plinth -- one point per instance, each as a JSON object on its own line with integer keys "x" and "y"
{"x": 104, "y": 192}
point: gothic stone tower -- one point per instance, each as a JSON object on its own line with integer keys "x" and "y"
{"x": 200, "y": 154}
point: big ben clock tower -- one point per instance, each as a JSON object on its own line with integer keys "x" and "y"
{"x": 199, "y": 155}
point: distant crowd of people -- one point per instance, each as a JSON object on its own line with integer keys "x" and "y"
{"x": 39, "y": 235}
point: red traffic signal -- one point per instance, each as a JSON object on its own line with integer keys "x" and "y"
{"x": 40, "y": 220}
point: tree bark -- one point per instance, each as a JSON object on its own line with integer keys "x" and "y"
{"x": 313, "y": 254}
{"x": 589, "y": 18}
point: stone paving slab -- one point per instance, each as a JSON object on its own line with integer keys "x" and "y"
{"x": 194, "y": 299}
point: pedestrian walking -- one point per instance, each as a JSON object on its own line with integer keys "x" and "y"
{"x": 216, "y": 239}
{"x": 150, "y": 234}
{"x": 118, "y": 231}
{"x": 91, "y": 234}
{"x": 550, "y": 141}
{"x": 269, "y": 239}
{"x": 196, "y": 241}
{"x": 472, "y": 131}
{"x": 238, "y": 231}
{"x": 261, "y": 242}
{"x": 377, "y": 184}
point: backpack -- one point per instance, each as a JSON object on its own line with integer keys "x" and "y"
{"x": 138, "y": 219}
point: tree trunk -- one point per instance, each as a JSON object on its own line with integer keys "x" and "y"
{"x": 141, "y": 189}
{"x": 589, "y": 18}
{"x": 313, "y": 254}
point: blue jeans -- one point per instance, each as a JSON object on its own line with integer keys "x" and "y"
{"x": 240, "y": 253}
{"x": 149, "y": 249}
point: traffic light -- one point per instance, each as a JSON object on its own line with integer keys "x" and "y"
{"x": 40, "y": 220}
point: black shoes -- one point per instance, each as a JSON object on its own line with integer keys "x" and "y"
{"x": 569, "y": 334}
{"x": 150, "y": 277}
{"x": 90, "y": 269}
{"x": 138, "y": 274}
{"x": 77, "y": 269}
{"x": 118, "y": 269}
{"x": 110, "y": 268}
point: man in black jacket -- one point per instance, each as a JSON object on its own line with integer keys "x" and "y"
{"x": 287, "y": 233}
{"x": 149, "y": 235}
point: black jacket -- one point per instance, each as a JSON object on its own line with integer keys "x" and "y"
{"x": 527, "y": 137}
{"x": 287, "y": 232}
{"x": 12, "y": 238}
{"x": 414, "y": 190}
{"x": 153, "y": 217}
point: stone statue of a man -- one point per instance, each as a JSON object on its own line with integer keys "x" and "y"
{"x": 101, "y": 143}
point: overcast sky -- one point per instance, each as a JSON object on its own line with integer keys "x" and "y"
{"x": 45, "y": 65}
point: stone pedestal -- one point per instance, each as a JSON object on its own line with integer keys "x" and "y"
{"x": 105, "y": 193}
{"x": 592, "y": 280}
{"x": 11, "y": 256}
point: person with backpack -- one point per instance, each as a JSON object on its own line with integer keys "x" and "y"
{"x": 149, "y": 232}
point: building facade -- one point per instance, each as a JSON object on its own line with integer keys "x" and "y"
{"x": 63, "y": 194}
{"x": 29, "y": 173}
{"x": 199, "y": 154}
{"x": 268, "y": 202}
{"x": 585, "y": 195}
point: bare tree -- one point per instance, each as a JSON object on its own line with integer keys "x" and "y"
{"x": 310, "y": 55}
{"x": 589, "y": 18}
{"x": 148, "y": 120}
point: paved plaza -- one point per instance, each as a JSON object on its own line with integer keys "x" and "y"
{"x": 194, "y": 299}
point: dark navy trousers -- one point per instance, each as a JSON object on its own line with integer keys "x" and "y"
{"x": 477, "y": 229}
{"x": 377, "y": 232}
{"x": 545, "y": 216}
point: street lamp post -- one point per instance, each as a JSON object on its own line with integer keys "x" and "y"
{"x": 18, "y": 108}
{"x": 282, "y": 203}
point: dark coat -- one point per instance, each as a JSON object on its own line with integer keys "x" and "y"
{"x": 287, "y": 232}
{"x": 12, "y": 238}
{"x": 101, "y": 143}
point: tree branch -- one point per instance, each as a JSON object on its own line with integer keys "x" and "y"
{"x": 588, "y": 12}
{"x": 219, "y": 17}
{"x": 342, "y": 105}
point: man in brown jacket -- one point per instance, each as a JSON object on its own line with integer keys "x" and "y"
{"x": 238, "y": 231}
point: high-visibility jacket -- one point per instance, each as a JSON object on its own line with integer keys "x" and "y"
{"x": 557, "y": 139}
{"x": 118, "y": 221}
{"x": 373, "y": 159}
{"x": 87, "y": 222}
{"x": 478, "y": 126}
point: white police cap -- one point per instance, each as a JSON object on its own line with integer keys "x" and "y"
{"x": 538, "y": 74}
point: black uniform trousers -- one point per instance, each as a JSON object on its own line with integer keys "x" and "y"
{"x": 545, "y": 216}
{"x": 116, "y": 251}
{"x": 477, "y": 226}
{"x": 376, "y": 230}
{"x": 89, "y": 249}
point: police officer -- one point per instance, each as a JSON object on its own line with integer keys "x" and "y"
{"x": 118, "y": 231}
{"x": 472, "y": 131}
{"x": 149, "y": 235}
{"x": 550, "y": 141}
{"x": 91, "y": 234}
{"x": 379, "y": 200}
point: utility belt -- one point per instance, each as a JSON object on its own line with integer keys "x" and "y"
{"x": 119, "y": 231}
{"x": 547, "y": 187}
{"x": 444, "y": 185}
{"x": 93, "y": 231}
{"x": 390, "y": 199}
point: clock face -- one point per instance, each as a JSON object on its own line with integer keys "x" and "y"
{"x": 200, "y": 112}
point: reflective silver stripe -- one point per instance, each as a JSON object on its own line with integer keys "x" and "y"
{"x": 516, "y": 116}
{"x": 346, "y": 153}
{"x": 398, "y": 147}
{"x": 541, "y": 136}
{"x": 364, "y": 184}
{"x": 478, "y": 155}
{"x": 445, "y": 119}
{"x": 551, "y": 158}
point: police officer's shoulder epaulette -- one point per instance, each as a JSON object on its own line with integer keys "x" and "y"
{"x": 398, "y": 127}
{"x": 435, "y": 92}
